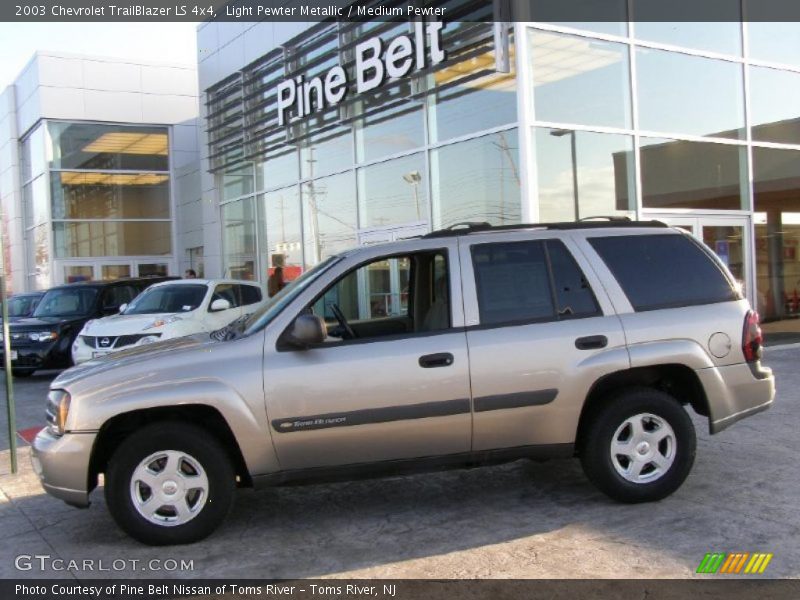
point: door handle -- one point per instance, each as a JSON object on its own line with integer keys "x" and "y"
{"x": 591, "y": 342}
{"x": 431, "y": 361}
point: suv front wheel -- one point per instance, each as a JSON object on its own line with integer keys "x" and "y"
{"x": 640, "y": 446}
{"x": 169, "y": 483}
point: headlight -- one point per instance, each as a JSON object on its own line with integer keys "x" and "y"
{"x": 42, "y": 336}
{"x": 57, "y": 410}
{"x": 162, "y": 322}
{"x": 147, "y": 340}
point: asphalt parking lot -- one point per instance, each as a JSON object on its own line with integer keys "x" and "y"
{"x": 522, "y": 520}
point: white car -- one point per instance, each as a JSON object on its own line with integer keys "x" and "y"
{"x": 168, "y": 310}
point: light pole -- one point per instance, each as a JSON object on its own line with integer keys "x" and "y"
{"x": 413, "y": 178}
{"x": 574, "y": 151}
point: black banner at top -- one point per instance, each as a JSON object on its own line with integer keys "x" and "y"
{"x": 568, "y": 11}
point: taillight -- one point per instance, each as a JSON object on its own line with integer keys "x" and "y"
{"x": 752, "y": 339}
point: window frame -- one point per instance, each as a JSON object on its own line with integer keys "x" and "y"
{"x": 450, "y": 261}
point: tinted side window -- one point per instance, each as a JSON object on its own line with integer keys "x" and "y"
{"x": 249, "y": 294}
{"x": 117, "y": 295}
{"x": 513, "y": 282}
{"x": 663, "y": 271}
{"x": 573, "y": 294}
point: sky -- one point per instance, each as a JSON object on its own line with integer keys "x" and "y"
{"x": 167, "y": 42}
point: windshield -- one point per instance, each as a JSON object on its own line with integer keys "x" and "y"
{"x": 20, "y": 306}
{"x": 276, "y": 304}
{"x": 67, "y": 302}
{"x": 167, "y": 299}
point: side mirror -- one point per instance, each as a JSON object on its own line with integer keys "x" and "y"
{"x": 122, "y": 307}
{"x": 219, "y": 304}
{"x": 306, "y": 331}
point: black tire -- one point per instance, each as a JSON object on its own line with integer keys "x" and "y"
{"x": 200, "y": 445}
{"x": 596, "y": 455}
{"x": 22, "y": 373}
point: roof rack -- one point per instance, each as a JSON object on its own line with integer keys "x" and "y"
{"x": 484, "y": 227}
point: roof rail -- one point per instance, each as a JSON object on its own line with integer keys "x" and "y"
{"x": 483, "y": 227}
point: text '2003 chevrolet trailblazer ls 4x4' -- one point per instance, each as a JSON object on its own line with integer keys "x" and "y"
{"x": 585, "y": 339}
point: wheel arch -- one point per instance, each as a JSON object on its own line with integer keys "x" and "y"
{"x": 677, "y": 380}
{"x": 119, "y": 427}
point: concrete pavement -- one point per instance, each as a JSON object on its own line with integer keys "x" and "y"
{"x": 522, "y": 520}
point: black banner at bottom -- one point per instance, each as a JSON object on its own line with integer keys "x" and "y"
{"x": 399, "y": 589}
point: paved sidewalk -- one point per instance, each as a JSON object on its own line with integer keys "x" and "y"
{"x": 520, "y": 520}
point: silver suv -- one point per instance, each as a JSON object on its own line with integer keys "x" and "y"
{"x": 460, "y": 348}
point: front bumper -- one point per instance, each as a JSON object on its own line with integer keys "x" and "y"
{"x": 45, "y": 356}
{"x": 62, "y": 465}
{"x": 735, "y": 392}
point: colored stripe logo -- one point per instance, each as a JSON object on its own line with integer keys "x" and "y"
{"x": 734, "y": 563}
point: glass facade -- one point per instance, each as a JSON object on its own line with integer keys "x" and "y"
{"x": 95, "y": 193}
{"x": 430, "y": 149}
{"x": 645, "y": 119}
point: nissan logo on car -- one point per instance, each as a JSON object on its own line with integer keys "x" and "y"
{"x": 105, "y": 342}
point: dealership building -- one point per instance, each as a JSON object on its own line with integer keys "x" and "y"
{"x": 313, "y": 144}
{"x": 316, "y": 137}
{"x": 98, "y": 169}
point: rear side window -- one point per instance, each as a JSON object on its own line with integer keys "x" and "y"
{"x": 664, "y": 271}
{"x": 528, "y": 282}
{"x": 250, "y": 294}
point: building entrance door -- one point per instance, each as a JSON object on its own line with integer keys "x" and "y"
{"x": 106, "y": 270}
{"x": 729, "y": 238}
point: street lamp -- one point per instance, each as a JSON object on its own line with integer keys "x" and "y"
{"x": 413, "y": 178}
{"x": 576, "y": 198}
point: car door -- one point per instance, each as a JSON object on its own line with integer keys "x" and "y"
{"x": 220, "y": 318}
{"x": 540, "y": 332}
{"x": 398, "y": 391}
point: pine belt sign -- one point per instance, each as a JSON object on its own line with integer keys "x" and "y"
{"x": 374, "y": 61}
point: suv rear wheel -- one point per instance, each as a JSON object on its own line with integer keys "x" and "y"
{"x": 169, "y": 483}
{"x": 640, "y": 447}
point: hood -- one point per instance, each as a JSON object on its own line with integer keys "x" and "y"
{"x": 144, "y": 356}
{"x": 126, "y": 324}
{"x": 39, "y": 323}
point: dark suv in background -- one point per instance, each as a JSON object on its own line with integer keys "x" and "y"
{"x": 44, "y": 340}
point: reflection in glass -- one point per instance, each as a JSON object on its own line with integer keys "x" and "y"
{"x": 34, "y": 196}
{"x": 477, "y": 180}
{"x": 583, "y": 174}
{"x": 76, "y": 273}
{"x": 724, "y": 37}
{"x": 239, "y": 239}
{"x": 690, "y": 94}
{"x": 775, "y": 105}
{"x": 156, "y": 270}
{"x": 325, "y": 152}
{"x": 389, "y": 131}
{"x": 38, "y": 242}
{"x": 680, "y": 174}
{"x": 33, "y": 154}
{"x": 776, "y": 183}
{"x": 579, "y": 80}
{"x": 728, "y": 244}
{"x": 110, "y": 195}
{"x": 770, "y": 41}
{"x": 109, "y": 147}
{"x": 473, "y": 103}
{"x": 277, "y": 170}
{"x": 109, "y": 272}
{"x": 284, "y": 246}
{"x": 393, "y": 192}
{"x": 329, "y": 216}
{"x": 236, "y": 182}
{"x": 112, "y": 238}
